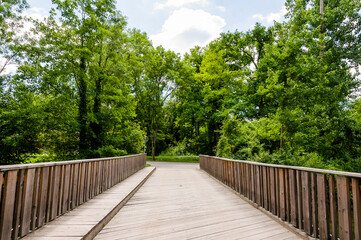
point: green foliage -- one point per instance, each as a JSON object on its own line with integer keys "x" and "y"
{"x": 293, "y": 107}
{"x": 109, "y": 151}
{"x": 11, "y": 23}
{"x": 190, "y": 159}
{"x": 88, "y": 87}
{"x": 180, "y": 149}
{"x": 21, "y": 122}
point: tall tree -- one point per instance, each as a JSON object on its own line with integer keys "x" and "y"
{"x": 161, "y": 71}
{"x": 85, "y": 57}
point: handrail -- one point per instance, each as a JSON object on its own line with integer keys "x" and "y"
{"x": 33, "y": 194}
{"x": 307, "y": 169}
{"x": 324, "y": 204}
{"x": 50, "y": 164}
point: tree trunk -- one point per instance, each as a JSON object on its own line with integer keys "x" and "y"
{"x": 322, "y": 12}
{"x": 95, "y": 125}
{"x": 82, "y": 114}
{"x": 154, "y": 139}
{"x": 281, "y": 140}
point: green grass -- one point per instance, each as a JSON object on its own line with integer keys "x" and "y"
{"x": 190, "y": 159}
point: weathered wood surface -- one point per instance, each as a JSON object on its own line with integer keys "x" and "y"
{"x": 324, "y": 204}
{"x": 34, "y": 194}
{"x": 179, "y": 201}
{"x": 81, "y": 222}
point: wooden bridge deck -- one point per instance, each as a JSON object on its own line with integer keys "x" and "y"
{"x": 179, "y": 201}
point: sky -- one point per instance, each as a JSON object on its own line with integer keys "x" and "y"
{"x": 179, "y": 25}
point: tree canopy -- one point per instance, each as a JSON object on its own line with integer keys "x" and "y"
{"x": 88, "y": 86}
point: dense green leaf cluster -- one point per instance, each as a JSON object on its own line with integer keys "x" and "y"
{"x": 86, "y": 86}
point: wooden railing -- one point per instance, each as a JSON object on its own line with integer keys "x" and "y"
{"x": 324, "y": 204}
{"x": 34, "y": 194}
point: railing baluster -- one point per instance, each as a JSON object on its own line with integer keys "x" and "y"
{"x": 27, "y": 202}
{"x": 34, "y": 194}
{"x": 8, "y": 204}
{"x": 306, "y": 197}
{"x": 344, "y": 207}
{"x": 356, "y": 207}
{"x": 314, "y": 205}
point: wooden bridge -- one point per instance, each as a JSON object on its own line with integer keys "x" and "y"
{"x": 120, "y": 198}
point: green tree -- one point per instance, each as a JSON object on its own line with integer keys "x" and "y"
{"x": 85, "y": 59}
{"x": 161, "y": 70}
{"x": 10, "y": 25}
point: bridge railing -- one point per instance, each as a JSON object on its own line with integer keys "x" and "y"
{"x": 34, "y": 194}
{"x": 325, "y": 204}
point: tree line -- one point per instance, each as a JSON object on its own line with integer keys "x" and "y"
{"x": 88, "y": 86}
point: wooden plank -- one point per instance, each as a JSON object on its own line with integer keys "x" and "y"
{"x": 86, "y": 185}
{"x": 237, "y": 176}
{"x": 323, "y": 218}
{"x": 90, "y": 177}
{"x": 66, "y": 189}
{"x": 258, "y": 186}
{"x": 248, "y": 176}
{"x": 74, "y": 182}
{"x": 277, "y": 192}
{"x": 18, "y": 203}
{"x": 113, "y": 173}
{"x": 56, "y": 190}
{"x": 333, "y": 207}
{"x": 356, "y": 207}
{"x": 265, "y": 188}
{"x": 314, "y": 205}
{"x": 344, "y": 207}
{"x": 109, "y": 176}
{"x": 273, "y": 191}
{"x": 293, "y": 198}
{"x": 49, "y": 200}
{"x": 81, "y": 183}
{"x": 43, "y": 194}
{"x": 306, "y": 193}
{"x": 98, "y": 177}
{"x": 299, "y": 199}
{"x": 27, "y": 202}
{"x": 1, "y": 185}
{"x": 287, "y": 191}
{"x": 61, "y": 190}
{"x": 35, "y": 198}
{"x": 8, "y": 204}
{"x": 282, "y": 189}
{"x": 254, "y": 184}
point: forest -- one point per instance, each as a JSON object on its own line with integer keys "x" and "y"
{"x": 88, "y": 86}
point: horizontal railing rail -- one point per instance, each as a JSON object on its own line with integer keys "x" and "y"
{"x": 324, "y": 204}
{"x": 33, "y": 194}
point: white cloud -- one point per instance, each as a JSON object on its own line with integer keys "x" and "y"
{"x": 221, "y": 8}
{"x": 36, "y": 13}
{"x": 186, "y": 28}
{"x": 21, "y": 32}
{"x": 272, "y": 16}
{"x": 179, "y": 4}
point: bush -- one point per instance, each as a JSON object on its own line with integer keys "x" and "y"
{"x": 192, "y": 159}
{"x": 109, "y": 151}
